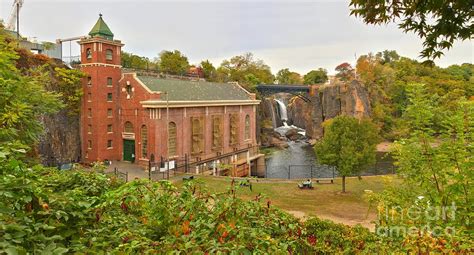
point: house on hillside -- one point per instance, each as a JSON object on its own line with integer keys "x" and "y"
{"x": 189, "y": 125}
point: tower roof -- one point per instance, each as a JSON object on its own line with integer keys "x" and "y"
{"x": 101, "y": 29}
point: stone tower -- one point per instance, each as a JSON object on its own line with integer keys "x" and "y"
{"x": 100, "y": 60}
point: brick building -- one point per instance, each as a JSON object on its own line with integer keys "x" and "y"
{"x": 125, "y": 116}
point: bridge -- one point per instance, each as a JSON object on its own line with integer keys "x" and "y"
{"x": 301, "y": 91}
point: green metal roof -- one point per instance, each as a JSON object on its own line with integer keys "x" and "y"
{"x": 101, "y": 29}
{"x": 185, "y": 90}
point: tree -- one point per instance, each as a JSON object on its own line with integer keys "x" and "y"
{"x": 345, "y": 72}
{"x": 238, "y": 67}
{"x": 439, "y": 23}
{"x": 316, "y": 76}
{"x": 173, "y": 62}
{"x": 285, "y": 76}
{"x": 23, "y": 98}
{"x": 209, "y": 70}
{"x": 348, "y": 144}
{"x": 130, "y": 60}
{"x": 388, "y": 56}
{"x": 434, "y": 167}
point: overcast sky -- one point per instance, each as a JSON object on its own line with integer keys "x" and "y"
{"x": 300, "y": 35}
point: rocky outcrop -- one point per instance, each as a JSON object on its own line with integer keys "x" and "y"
{"x": 293, "y": 135}
{"x": 329, "y": 101}
{"x": 268, "y": 120}
{"x": 298, "y": 112}
{"x": 60, "y": 142}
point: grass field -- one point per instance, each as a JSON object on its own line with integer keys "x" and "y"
{"x": 325, "y": 200}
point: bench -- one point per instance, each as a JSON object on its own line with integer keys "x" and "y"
{"x": 188, "y": 178}
{"x": 331, "y": 180}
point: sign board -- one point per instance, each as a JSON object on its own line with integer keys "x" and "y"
{"x": 167, "y": 166}
{"x": 128, "y": 136}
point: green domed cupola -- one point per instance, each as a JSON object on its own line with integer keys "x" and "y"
{"x": 101, "y": 29}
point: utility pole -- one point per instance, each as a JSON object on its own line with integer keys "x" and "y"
{"x": 18, "y": 21}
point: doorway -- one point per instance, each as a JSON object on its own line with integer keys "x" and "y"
{"x": 129, "y": 150}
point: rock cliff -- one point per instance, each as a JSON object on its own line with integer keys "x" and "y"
{"x": 335, "y": 99}
{"x": 60, "y": 142}
{"x": 325, "y": 102}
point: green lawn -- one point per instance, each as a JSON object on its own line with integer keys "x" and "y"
{"x": 325, "y": 200}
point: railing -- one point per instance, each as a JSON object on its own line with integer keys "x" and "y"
{"x": 321, "y": 171}
{"x": 197, "y": 164}
{"x": 120, "y": 175}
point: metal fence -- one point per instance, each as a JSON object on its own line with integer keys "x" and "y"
{"x": 120, "y": 175}
{"x": 321, "y": 171}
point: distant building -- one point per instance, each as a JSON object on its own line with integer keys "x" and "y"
{"x": 137, "y": 118}
{"x": 195, "y": 72}
{"x": 52, "y": 50}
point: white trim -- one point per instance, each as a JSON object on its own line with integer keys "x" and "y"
{"x": 180, "y": 104}
{"x": 101, "y": 64}
{"x": 134, "y": 76}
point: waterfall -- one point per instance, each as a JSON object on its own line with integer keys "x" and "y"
{"x": 282, "y": 111}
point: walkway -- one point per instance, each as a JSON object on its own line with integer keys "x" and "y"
{"x": 137, "y": 172}
{"x": 134, "y": 171}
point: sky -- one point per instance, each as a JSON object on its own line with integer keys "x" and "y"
{"x": 299, "y": 35}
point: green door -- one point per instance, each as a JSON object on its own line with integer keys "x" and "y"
{"x": 129, "y": 150}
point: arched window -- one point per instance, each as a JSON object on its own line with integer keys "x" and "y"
{"x": 108, "y": 54}
{"x": 88, "y": 53}
{"x": 144, "y": 136}
{"x": 197, "y": 141}
{"x": 247, "y": 127}
{"x": 128, "y": 127}
{"x": 172, "y": 139}
{"x": 234, "y": 129}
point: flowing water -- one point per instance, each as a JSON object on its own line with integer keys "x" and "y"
{"x": 298, "y": 161}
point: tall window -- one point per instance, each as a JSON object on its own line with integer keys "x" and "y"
{"x": 108, "y": 54}
{"x": 88, "y": 53}
{"x": 144, "y": 135}
{"x": 128, "y": 127}
{"x": 197, "y": 139}
{"x": 109, "y": 97}
{"x": 216, "y": 132}
{"x": 247, "y": 127}
{"x": 89, "y": 81}
{"x": 172, "y": 139}
{"x": 109, "y": 128}
{"x": 109, "y": 81}
{"x": 109, "y": 113}
{"x": 234, "y": 129}
{"x": 109, "y": 144}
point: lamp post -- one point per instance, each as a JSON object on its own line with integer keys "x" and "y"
{"x": 167, "y": 134}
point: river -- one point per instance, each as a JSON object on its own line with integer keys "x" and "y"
{"x": 298, "y": 161}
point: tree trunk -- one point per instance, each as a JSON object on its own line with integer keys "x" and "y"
{"x": 343, "y": 184}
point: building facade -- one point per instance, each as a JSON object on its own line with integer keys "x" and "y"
{"x": 195, "y": 125}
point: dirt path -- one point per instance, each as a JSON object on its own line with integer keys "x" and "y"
{"x": 365, "y": 223}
